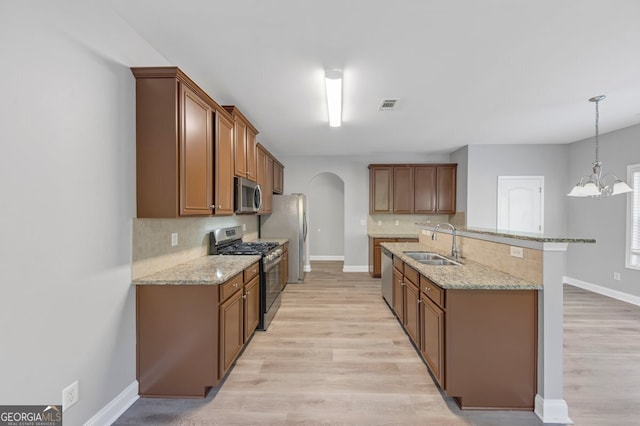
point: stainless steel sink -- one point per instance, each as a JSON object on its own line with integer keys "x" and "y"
{"x": 429, "y": 258}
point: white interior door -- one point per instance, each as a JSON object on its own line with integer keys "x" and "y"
{"x": 521, "y": 203}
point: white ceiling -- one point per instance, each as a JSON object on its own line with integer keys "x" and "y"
{"x": 465, "y": 71}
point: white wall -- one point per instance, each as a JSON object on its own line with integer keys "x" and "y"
{"x": 67, "y": 179}
{"x": 326, "y": 216}
{"x": 487, "y": 162}
{"x": 300, "y": 170}
{"x": 602, "y": 219}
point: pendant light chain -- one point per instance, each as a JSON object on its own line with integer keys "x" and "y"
{"x": 597, "y": 132}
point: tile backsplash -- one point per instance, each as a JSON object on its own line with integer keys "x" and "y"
{"x": 152, "y": 250}
{"x": 406, "y": 223}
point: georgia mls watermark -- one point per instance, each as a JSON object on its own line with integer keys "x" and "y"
{"x": 30, "y": 415}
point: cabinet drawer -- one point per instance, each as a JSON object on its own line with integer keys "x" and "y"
{"x": 251, "y": 272}
{"x": 411, "y": 275}
{"x": 230, "y": 287}
{"x": 434, "y": 292}
{"x": 398, "y": 263}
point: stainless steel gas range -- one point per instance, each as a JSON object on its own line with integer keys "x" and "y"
{"x": 228, "y": 241}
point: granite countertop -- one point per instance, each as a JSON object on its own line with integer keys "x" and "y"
{"x": 466, "y": 276}
{"x": 280, "y": 241}
{"x": 388, "y": 235}
{"x": 207, "y": 270}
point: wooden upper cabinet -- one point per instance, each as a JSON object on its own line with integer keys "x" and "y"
{"x": 176, "y": 136}
{"x": 446, "y": 189}
{"x": 223, "y": 160}
{"x": 244, "y": 145}
{"x": 265, "y": 178}
{"x": 251, "y": 154}
{"x": 412, "y": 188}
{"x": 195, "y": 142}
{"x": 424, "y": 194}
{"x": 381, "y": 189}
{"x": 278, "y": 177}
{"x": 403, "y": 189}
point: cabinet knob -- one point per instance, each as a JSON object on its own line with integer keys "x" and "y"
{"x": 213, "y": 206}
{"x": 235, "y": 285}
{"x": 427, "y": 289}
{"x": 244, "y": 296}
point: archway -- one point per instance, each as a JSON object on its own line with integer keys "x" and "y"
{"x": 326, "y": 217}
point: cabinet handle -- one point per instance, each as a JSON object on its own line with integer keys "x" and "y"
{"x": 235, "y": 285}
{"x": 244, "y": 296}
{"x": 419, "y": 301}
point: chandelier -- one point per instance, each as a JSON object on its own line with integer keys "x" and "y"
{"x": 596, "y": 184}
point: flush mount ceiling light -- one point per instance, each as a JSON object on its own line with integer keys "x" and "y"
{"x": 595, "y": 185}
{"x": 333, "y": 84}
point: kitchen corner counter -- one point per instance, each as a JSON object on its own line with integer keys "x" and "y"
{"x": 206, "y": 270}
{"x": 280, "y": 241}
{"x": 466, "y": 276}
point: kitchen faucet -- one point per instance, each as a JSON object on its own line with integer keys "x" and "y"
{"x": 454, "y": 248}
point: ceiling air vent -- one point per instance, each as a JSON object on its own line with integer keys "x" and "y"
{"x": 388, "y": 105}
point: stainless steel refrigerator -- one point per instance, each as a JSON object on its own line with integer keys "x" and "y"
{"x": 289, "y": 220}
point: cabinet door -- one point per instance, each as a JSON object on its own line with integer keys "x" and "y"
{"x": 267, "y": 193}
{"x": 223, "y": 166}
{"x": 251, "y": 306}
{"x": 403, "y": 189}
{"x": 446, "y": 182}
{"x": 398, "y": 294}
{"x": 424, "y": 195}
{"x": 278, "y": 176}
{"x": 196, "y": 156}
{"x": 412, "y": 311}
{"x": 432, "y": 338}
{"x": 231, "y": 331}
{"x": 261, "y": 172}
{"x": 380, "y": 190}
{"x": 375, "y": 268}
{"x": 240, "y": 145}
{"x": 251, "y": 155}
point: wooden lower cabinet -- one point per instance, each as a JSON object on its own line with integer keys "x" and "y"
{"x": 480, "y": 345}
{"x": 432, "y": 337}
{"x": 188, "y": 336}
{"x": 375, "y": 252}
{"x": 231, "y": 330}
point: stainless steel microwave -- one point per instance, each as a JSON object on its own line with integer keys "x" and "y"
{"x": 248, "y": 196}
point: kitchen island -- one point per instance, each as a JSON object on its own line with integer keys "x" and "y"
{"x": 536, "y": 258}
{"x": 474, "y": 326}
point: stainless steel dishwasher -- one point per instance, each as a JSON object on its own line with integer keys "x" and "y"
{"x": 387, "y": 276}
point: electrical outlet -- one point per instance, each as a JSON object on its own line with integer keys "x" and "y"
{"x": 244, "y": 227}
{"x": 616, "y": 276}
{"x": 174, "y": 239}
{"x": 517, "y": 252}
{"x": 397, "y": 222}
{"x": 70, "y": 395}
{"x": 424, "y": 232}
{"x": 379, "y": 223}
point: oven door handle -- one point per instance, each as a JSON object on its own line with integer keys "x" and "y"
{"x": 272, "y": 263}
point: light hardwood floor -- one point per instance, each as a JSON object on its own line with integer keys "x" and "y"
{"x": 335, "y": 355}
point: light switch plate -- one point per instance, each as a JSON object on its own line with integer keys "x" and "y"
{"x": 517, "y": 252}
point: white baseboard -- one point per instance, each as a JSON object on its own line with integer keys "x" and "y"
{"x": 605, "y": 291}
{"x": 114, "y": 409}
{"x": 325, "y": 258}
{"x": 552, "y": 410}
{"x": 355, "y": 268}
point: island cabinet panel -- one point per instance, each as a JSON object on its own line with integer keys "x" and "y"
{"x": 398, "y": 294}
{"x": 432, "y": 337}
{"x": 177, "y": 340}
{"x": 411, "y": 309}
{"x": 491, "y": 348}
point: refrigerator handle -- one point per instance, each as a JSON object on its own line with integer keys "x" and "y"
{"x": 304, "y": 226}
